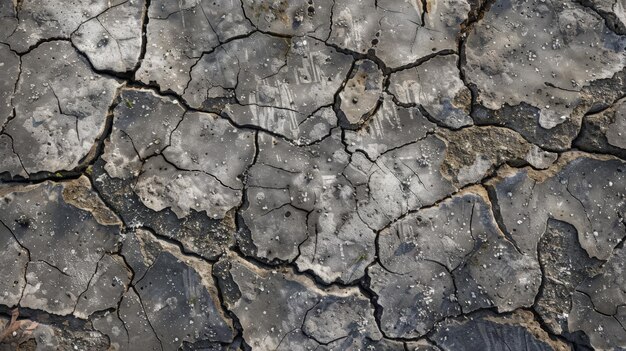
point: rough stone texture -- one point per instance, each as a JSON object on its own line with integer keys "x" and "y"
{"x": 38, "y": 331}
{"x": 280, "y": 310}
{"x": 432, "y": 175}
{"x": 512, "y": 64}
{"x": 294, "y": 18}
{"x": 10, "y": 161}
{"x": 598, "y": 305}
{"x": 400, "y": 33}
{"x": 572, "y": 219}
{"x": 168, "y": 159}
{"x": 60, "y": 248}
{"x": 470, "y": 265}
{"x": 472, "y": 153}
{"x": 390, "y": 127}
{"x": 105, "y": 287}
{"x": 437, "y": 87}
{"x": 613, "y": 13}
{"x": 605, "y": 132}
{"x": 161, "y": 186}
{"x": 60, "y": 108}
{"x": 402, "y": 180}
{"x": 169, "y": 288}
{"x": 297, "y": 78}
{"x": 113, "y": 40}
{"x": 580, "y": 193}
{"x": 212, "y": 145}
{"x": 8, "y": 19}
{"x": 313, "y": 205}
{"x": 10, "y": 65}
{"x": 13, "y": 269}
{"x": 128, "y": 328}
{"x": 488, "y": 332}
{"x": 362, "y": 92}
{"x": 565, "y": 265}
{"x": 38, "y": 21}
{"x": 142, "y": 127}
{"x": 179, "y": 33}
{"x": 196, "y": 232}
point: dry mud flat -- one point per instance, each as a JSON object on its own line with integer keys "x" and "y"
{"x": 435, "y": 175}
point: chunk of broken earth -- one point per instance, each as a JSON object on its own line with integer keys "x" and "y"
{"x": 548, "y": 70}
{"x": 178, "y": 36}
{"x": 437, "y": 87}
{"x": 361, "y": 94}
{"x": 59, "y": 246}
{"x": 287, "y": 310}
{"x": 399, "y": 33}
{"x": 60, "y": 108}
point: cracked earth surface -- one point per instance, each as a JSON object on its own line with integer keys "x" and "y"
{"x": 432, "y": 175}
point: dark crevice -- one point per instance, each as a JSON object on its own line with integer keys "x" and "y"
{"x": 176, "y": 243}
{"x": 363, "y": 284}
{"x": 144, "y": 38}
{"x": 497, "y": 215}
{"x": 611, "y": 20}
{"x": 477, "y": 13}
{"x": 193, "y": 170}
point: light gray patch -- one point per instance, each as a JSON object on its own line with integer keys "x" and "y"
{"x": 142, "y": 126}
{"x": 436, "y": 85}
{"x": 60, "y": 109}
{"x": 38, "y": 21}
{"x": 178, "y": 33}
{"x": 390, "y": 127}
{"x": 112, "y": 40}
{"x": 161, "y": 185}
{"x": 291, "y": 17}
{"x": 395, "y": 30}
{"x": 402, "y": 180}
{"x": 296, "y": 78}
{"x": 362, "y": 92}
{"x": 205, "y": 142}
{"x": 10, "y": 66}
{"x": 545, "y": 69}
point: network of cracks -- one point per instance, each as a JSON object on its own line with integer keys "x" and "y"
{"x": 312, "y": 175}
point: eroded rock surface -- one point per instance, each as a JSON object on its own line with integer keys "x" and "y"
{"x": 277, "y": 83}
{"x": 60, "y": 108}
{"x": 489, "y": 332}
{"x": 605, "y": 132}
{"x": 281, "y": 310}
{"x": 56, "y": 249}
{"x": 613, "y": 13}
{"x": 362, "y": 92}
{"x": 437, "y": 87}
{"x": 470, "y": 265}
{"x": 179, "y": 33}
{"x": 112, "y": 40}
{"x": 168, "y": 288}
{"x": 313, "y": 205}
{"x": 400, "y": 33}
{"x": 580, "y": 194}
{"x": 405, "y": 124}
{"x": 545, "y": 70}
{"x": 433, "y": 175}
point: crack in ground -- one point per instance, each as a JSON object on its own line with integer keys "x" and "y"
{"x": 130, "y": 82}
